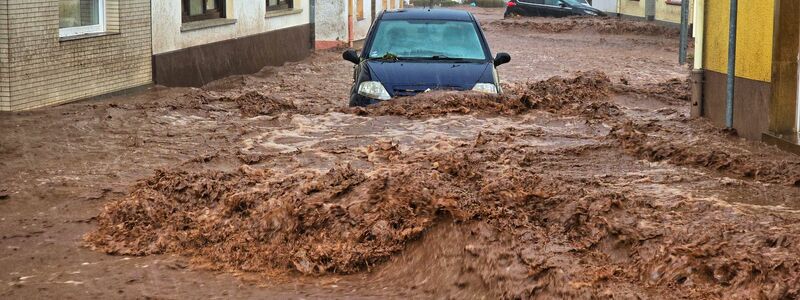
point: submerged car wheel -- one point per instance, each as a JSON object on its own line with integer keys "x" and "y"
{"x": 511, "y": 15}
{"x": 356, "y": 101}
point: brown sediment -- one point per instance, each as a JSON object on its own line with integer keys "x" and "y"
{"x": 576, "y": 95}
{"x": 543, "y": 234}
{"x": 598, "y": 25}
{"x": 648, "y": 141}
{"x": 672, "y": 89}
{"x": 254, "y": 103}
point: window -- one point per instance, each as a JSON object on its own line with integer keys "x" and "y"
{"x": 81, "y": 17}
{"x": 279, "y": 4}
{"x": 196, "y": 10}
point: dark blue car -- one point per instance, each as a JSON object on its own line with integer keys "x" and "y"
{"x": 411, "y": 51}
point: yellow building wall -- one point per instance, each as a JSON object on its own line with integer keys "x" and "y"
{"x": 631, "y": 8}
{"x": 753, "y": 38}
{"x": 664, "y": 12}
{"x": 672, "y": 13}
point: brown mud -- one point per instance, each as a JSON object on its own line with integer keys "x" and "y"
{"x": 574, "y": 94}
{"x": 584, "y": 24}
{"x": 573, "y": 184}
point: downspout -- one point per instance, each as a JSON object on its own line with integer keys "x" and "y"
{"x": 698, "y": 74}
{"x": 350, "y": 25}
{"x": 684, "y": 32}
{"x": 731, "y": 63}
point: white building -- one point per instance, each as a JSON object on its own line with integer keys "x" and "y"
{"x": 345, "y": 21}
{"x": 198, "y": 41}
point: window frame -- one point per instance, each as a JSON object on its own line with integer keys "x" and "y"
{"x": 287, "y": 5}
{"x": 89, "y": 29}
{"x": 217, "y": 13}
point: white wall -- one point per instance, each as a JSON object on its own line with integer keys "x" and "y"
{"x": 605, "y": 5}
{"x": 250, "y": 18}
{"x": 331, "y": 18}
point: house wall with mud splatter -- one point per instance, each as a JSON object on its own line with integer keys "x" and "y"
{"x": 333, "y": 20}
{"x": 51, "y": 55}
{"x": 753, "y": 64}
{"x": 667, "y": 11}
{"x": 5, "y": 102}
{"x": 247, "y": 37}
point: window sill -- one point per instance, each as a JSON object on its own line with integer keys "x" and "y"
{"x": 197, "y": 25}
{"x": 85, "y": 36}
{"x": 284, "y": 12}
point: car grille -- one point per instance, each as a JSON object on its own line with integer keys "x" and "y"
{"x": 404, "y": 92}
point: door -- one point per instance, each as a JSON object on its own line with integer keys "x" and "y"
{"x": 530, "y": 7}
{"x": 554, "y": 8}
{"x": 650, "y": 9}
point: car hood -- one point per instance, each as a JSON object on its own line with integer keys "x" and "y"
{"x": 411, "y": 77}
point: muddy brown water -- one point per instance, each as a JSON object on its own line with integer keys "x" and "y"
{"x": 587, "y": 180}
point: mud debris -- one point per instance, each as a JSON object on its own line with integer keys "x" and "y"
{"x": 254, "y": 103}
{"x": 344, "y": 221}
{"x": 576, "y": 95}
{"x": 639, "y": 140}
{"x": 585, "y": 24}
{"x": 672, "y": 89}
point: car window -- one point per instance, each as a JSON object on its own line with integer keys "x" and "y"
{"x": 552, "y": 2}
{"x": 532, "y": 1}
{"x": 426, "y": 39}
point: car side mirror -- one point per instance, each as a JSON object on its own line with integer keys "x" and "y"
{"x": 351, "y": 56}
{"x": 501, "y": 58}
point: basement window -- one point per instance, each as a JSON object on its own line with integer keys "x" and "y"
{"x": 198, "y": 10}
{"x": 273, "y": 5}
{"x": 80, "y": 17}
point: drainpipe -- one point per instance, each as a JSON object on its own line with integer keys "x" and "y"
{"x": 731, "y": 63}
{"x": 684, "y": 32}
{"x": 350, "y": 25}
{"x": 697, "y": 78}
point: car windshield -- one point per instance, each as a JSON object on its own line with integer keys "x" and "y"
{"x": 427, "y": 39}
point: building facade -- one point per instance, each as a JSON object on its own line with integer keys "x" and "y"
{"x": 56, "y": 51}
{"x": 341, "y": 23}
{"x": 765, "y": 94}
{"x": 198, "y": 41}
{"x": 666, "y": 11}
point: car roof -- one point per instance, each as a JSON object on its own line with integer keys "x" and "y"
{"x": 427, "y": 14}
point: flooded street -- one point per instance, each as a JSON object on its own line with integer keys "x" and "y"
{"x": 586, "y": 179}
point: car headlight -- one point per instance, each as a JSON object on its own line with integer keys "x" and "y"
{"x": 485, "y": 88}
{"x": 374, "y": 90}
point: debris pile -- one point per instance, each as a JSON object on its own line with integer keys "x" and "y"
{"x": 584, "y": 24}
{"x": 576, "y": 94}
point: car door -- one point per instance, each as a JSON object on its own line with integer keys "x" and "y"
{"x": 554, "y": 8}
{"x": 530, "y": 7}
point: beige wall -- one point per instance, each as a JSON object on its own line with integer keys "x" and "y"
{"x": 42, "y": 69}
{"x": 4, "y": 85}
{"x": 664, "y": 12}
